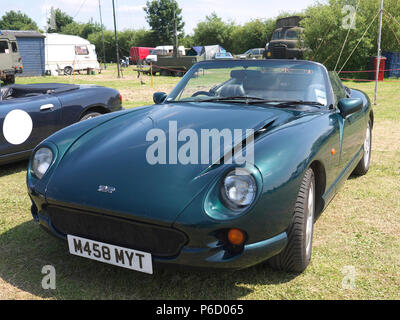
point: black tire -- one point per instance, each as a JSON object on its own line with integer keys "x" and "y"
{"x": 68, "y": 71}
{"x": 164, "y": 73}
{"x": 363, "y": 166}
{"x": 297, "y": 254}
{"x": 9, "y": 80}
{"x": 90, "y": 115}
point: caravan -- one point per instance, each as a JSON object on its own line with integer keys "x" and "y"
{"x": 66, "y": 53}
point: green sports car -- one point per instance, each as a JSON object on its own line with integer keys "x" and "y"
{"x": 230, "y": 169}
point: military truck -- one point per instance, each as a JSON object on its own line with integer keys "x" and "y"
{"x": 10, "y": 59}
{"x": 286, "y": 42}
{"x": 179, "y": 65}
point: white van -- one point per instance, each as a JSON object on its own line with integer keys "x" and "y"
{"x": 164, "y": 51}
{"x": 65, "y": 53}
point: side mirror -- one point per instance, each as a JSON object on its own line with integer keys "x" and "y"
{"x": 159, "y": 97}
{"x": 349, "y": 106}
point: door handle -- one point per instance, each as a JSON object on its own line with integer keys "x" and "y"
{"x": 47, "y": 107}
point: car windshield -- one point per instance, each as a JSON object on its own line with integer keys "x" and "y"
{"x": 277, "y": 35}
{"x": 247, "y": 81}
{"x": 292, "y": 35}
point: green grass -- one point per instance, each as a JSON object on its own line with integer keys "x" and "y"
{"x": 360, "y": 228}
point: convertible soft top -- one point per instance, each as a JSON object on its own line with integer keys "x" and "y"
{"x": 19, "y": 91}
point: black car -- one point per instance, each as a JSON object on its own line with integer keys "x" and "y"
{"x": 31, "y": 113}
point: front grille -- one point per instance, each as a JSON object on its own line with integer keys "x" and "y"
{"x": 159, "y": 241}
{"x": 279, "y": 52}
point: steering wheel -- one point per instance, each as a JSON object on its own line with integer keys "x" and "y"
{"x": 203, "y": 93}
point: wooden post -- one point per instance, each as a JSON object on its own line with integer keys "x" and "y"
{"x": 151, "y": 74}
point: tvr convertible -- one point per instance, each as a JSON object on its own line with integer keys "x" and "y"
{"x": 31, "y": 113}
{"x": 147, "y": 186}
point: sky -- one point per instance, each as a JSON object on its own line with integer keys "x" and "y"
{"x": 130, "y": 14}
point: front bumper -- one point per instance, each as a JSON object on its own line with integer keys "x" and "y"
{"x": 213, "y": 254}
{"x": 283, "y": 53}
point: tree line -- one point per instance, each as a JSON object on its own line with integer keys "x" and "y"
{"x": 326, "y": 29}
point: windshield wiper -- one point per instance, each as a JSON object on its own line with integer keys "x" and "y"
{"x": 216, "y": 99}
{"x": 257, "y": 100}
{"x": 235, "y": 98}
{"x": 300, "y": 102}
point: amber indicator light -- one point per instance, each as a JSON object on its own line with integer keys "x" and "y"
{"x": 236, "y": 237}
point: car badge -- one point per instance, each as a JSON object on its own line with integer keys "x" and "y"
{"x": 106, "y": 189}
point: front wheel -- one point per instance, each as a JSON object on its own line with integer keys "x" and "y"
{"x": 363, "y": 166}
{"x": 297, "y": 254}
{"x": 9, "y": 80}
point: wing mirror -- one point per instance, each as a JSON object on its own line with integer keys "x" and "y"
{"x": 159, "y": 97}
{"x": 349, "y": 106}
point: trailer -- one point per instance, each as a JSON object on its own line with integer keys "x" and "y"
{"x": 66, "y": 54}
{"x": 170, "y": 66}
{"x": 178, "y": 66}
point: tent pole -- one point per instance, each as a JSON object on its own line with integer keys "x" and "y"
{"x": 116, "y": 39}
{"x": 102, "y": 37}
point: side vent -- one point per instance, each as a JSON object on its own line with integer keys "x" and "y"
{"x": 263, "y": 130}
{"x": 258, "y": 133}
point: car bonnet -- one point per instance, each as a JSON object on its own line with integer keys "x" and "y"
{"x": 107, "y": 168}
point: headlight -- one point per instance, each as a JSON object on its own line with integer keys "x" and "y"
{"x": 41, "y": 162}
{"x": 238, "y": 189}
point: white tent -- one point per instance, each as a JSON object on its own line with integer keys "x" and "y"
{"x": 65, "y": 53}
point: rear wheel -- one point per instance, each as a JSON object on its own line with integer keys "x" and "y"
{"x": 68, "y": 71}
{"x": 297, "y": 254}
{"x": 363, "y": 166}
{"x": 90, "y": 115}
{"x": 164, "y": 73}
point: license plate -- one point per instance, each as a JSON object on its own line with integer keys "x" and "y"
{"x": 107, "y": 253}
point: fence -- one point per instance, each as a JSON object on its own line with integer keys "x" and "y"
{"x": 387, "y": 72}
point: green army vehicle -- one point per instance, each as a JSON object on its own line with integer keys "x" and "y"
{"x": 10, "y": 59}
{"x": 286, "y": 40}
{"x": 179, "y": 65}
{"x": 175, "y": 66}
